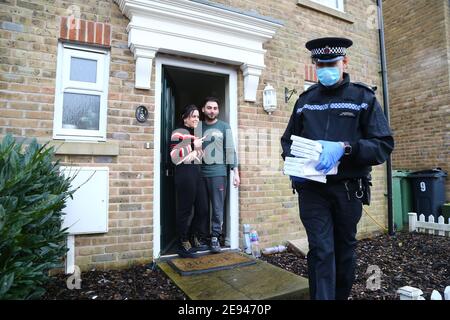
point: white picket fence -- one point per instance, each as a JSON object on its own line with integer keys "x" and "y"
{"x": 439, "y": 228}
{"x": 411, "y": 293}
{"x": 431, "y": 227}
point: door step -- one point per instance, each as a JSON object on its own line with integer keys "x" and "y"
{"x": 259, "y": 281}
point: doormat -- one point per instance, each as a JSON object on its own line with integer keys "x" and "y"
{"x": 210, "y": 263}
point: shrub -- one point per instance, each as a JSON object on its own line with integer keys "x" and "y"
{"x": 32, "y": 195}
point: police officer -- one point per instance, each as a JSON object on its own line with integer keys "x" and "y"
{"x": 346, "y": 118}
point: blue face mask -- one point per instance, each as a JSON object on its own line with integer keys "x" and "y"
{"x": 328, "y": 76}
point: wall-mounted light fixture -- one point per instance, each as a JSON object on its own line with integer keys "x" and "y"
{"x": 269, "y": 99}
{"x": 288, "y": 94}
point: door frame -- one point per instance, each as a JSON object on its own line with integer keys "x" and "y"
{"x": 231, "y": 99}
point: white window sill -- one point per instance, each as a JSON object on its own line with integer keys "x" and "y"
{"x": 326, "y": 10}
{"x": 85, "y": 148}
{"x": 62, "y": 147}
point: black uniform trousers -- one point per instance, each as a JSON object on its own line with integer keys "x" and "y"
{"x": 330, "y": 214}
{"x": 191, "y": 192}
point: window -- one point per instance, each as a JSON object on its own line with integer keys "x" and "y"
{"x": 308, "y": 84}
{"x": 81, "y": 93}
{"x": 335, "y": 4}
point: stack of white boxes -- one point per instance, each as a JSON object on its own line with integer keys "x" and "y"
{"x": 307, "y": 153}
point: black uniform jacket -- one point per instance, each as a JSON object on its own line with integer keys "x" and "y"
{"x": 345, "y": 112}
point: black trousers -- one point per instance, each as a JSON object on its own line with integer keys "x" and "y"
{"x": 330, "y": 215}
{"x": 191, "y": 192}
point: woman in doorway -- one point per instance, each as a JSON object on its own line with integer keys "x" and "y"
{"x": 186, "y": 153}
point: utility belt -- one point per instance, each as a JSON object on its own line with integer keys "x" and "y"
{"x": 357, "y": 187}
{"x": 360, "y": 187}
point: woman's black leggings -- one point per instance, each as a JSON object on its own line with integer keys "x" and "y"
{"x": 190, "y": 192}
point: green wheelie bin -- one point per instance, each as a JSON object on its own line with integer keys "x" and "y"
{"x": 401, "y": 198}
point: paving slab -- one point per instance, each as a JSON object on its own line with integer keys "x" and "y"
{"x": 260, "y": 281}
{"x": 299, "y": 246}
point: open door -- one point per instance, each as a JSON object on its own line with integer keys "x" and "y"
{"x": 181, "y": 85}
{"x": 168, "y": 194}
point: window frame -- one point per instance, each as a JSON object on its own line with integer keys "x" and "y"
{"x": 339, "y": 4}
{"x": 308, "y": 84}
{"x": 64, "y": 85}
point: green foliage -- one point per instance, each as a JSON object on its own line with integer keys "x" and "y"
{"x": 32, "y": 196}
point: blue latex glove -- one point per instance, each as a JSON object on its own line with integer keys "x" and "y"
{"x": 297, "y": 179}
{"x": 331, "y": 153}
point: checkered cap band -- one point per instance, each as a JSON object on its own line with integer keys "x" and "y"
{"x": 329, "y": 51}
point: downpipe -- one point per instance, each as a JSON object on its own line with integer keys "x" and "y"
{"x": 391, "y": 229}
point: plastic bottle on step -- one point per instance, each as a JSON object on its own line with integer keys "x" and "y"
{"x": 247, "y": 243}
{"x": 254, "y": 240}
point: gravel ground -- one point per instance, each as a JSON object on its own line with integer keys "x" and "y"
{"x": 409, "y": 259}
{"x": 138, "y": 282}
{"x": 418, "y": 260}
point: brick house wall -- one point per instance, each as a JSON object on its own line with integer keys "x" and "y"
{"x": 28, "y": 48}
{"x": 418, "y": 57}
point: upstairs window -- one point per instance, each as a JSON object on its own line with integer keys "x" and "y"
{"x": 81, "y": 93}
{"x": 334, "y": 4}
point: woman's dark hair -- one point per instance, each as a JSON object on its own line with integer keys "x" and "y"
{"x": 188, "y": 110}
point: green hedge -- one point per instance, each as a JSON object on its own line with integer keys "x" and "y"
{"x": 32, "y": 197}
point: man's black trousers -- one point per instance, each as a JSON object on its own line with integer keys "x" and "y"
{"x": 330, "y": 213}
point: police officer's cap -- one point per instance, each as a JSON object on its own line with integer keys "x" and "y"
{"x": 328, "y": 49}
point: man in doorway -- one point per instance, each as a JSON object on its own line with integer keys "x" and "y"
{"x": 347, "y": 120}
{"x": 219, "y": 158}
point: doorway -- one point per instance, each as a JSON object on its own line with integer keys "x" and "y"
{"x": 182, "y": 83}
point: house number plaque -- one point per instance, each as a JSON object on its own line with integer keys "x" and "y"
{"x": 141, "y": 114}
